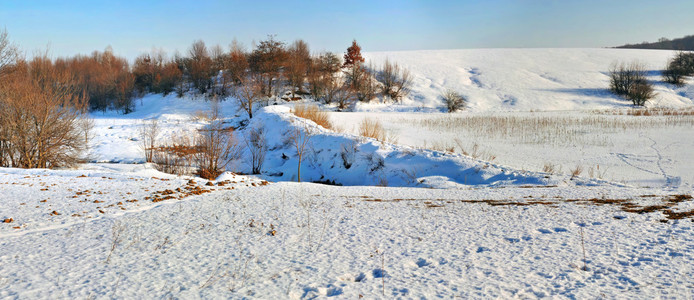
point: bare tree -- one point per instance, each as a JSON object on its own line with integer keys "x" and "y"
{"x": 237, "y": 62}
{"x": 298, "y": 62}
{"x": 300, "y": 138}
{"x": 267, "y": 60}
{"x": 8, "y": 52}
{"x": 200, "y": 66}
{"x": 248, "y": 92}
{"x": 322, "y": 72}
{"x": 256, "y": 144}
{"x": 8, "y": 55}
{"x": 219, "y": 64}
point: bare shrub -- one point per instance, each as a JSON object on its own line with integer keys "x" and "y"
{"x": 343, "y": 96}
{"x": 313, "y": 113}
{"x": 177, "y": 156}
{"x": 257, "y": 146}
{"x": 640, "y": 93}
{"x": 367, "y": 86}
{"x": 216, "y": 147}
{"x": 674, "y": 75}
{"x": 148, "y": 138}
{"x": 382, "y": 181}
{"x": 629, "y": 81}
{"x": 396, "y": 82}
{"x": 334, "y": 90}
{"x": 117, "y": 231}
{"x": 454, "y": 101}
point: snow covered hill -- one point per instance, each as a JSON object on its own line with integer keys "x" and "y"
{"x": 526, "y": 79}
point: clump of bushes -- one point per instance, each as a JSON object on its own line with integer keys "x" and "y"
{"x": 679, "y": 67}
{"x": 629, "y": 81}
{"x": 206, "y": 152}
{"x": 395, "y": 83}
{"x": 454, "y": 101}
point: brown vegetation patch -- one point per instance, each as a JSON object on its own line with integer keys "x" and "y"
{"x": 313, "y": 113}
{"x": 625, "y": 205}
{"x": 679, "y": 198}
{"x": 672, "y": 215}
{"x": 645, "y": 209}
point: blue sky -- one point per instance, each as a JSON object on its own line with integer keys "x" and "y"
{"x": 133, "y": 27}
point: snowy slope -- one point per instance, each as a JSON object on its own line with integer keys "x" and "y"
{"x": 375, "y": 163}
{"x": 526, "y": 79}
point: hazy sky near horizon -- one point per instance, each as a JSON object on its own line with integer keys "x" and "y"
{"x": 134, "y": 27}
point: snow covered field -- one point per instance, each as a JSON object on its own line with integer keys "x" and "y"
{"x": 646, "y": 151}
{"x": 490, "y": 224}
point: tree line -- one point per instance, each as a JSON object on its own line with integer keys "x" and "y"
{"x": 44, "y": 102}
{"x": 683, "y": 44}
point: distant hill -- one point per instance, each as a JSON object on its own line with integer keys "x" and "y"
{"x": 685, "y": 43}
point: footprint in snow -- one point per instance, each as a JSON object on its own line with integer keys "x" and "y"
{"x": 379, "y": 273}
{"x": 313, "y": 292}
{"x": 358, "y": 277}
{"x": 422, "y": 263}
{"x": 545, "y": 231}
{"x": 559, "y": 229}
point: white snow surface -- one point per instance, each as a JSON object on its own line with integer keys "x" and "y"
{"x": 526, "y": 79}
{"x": 488, "y": 225}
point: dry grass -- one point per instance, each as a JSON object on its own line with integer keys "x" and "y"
{"x": 200, "y": 116}
{"x": 576, "y": 171}
{"x": 371, "y": 128}
{"x": 669, "y": 207}
{"x": 549, "y": 168}
{"x": 313, "y": 113}
{"x": 647, "y": 112}
{"x": 550, "y": 129}
{"x": 177, "y": 156}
